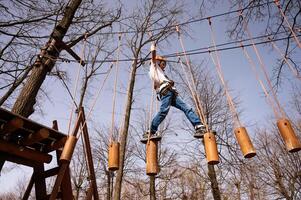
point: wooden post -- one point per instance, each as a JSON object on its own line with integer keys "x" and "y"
{"x": 89, "y": 155}
{"x": 39, "y": 182}
{"x": 66, "y": 187}
{"x": 244, "y": 142}
{"x": 65, "y": 158}
{"x": 152, "y": 167}
{"x": 211, "y": 149}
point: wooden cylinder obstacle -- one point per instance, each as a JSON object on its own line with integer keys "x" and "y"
{"x": 68, "y": 149}
{"x": 211, "y": 148}
{"x": 244, "y": 142}
{"x": 113, "y": 159}
{"x": 288, "y": 135}
{"x": 152, "y": 167}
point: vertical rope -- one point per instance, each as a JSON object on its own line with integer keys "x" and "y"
{"x": 262, "y": 66}
{"x": 77, "y": 78}
{"x": 115, "y": 89}
{"x": 294, "y": 71}
{"x": 221, "y": 77}
{"x": 253, "y": 67}
{"x": 287, "y": 22}
{"x": 98, "y": 93}
{"x": 192, "y": 88}
{"x": 150, "y": 112}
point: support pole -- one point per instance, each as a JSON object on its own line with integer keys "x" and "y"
{"x": 89, "y": 155}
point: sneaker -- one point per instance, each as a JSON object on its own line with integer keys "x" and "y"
{"x": 157, "y": 136}
{"x": 144, "y": 138}
{"x": 154, "y": 136}
{"x": 200, "y": 131}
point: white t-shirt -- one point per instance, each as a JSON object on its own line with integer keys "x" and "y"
{"x": 157, "y": 75}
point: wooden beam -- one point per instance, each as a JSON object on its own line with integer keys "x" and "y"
{"x": 39, "y": 182}
{"x": 12, "y": 125}
{"x": 51, "y": 172}
{"x": 29, "y": 188}
{"x": 18, "y": 160}
{"x": 56, "y": 144}
{"x": 58, "y": 180}
{"x": 36, "y": 137}
{"x": 24, "y": 152}
{"x": 89, "y": 156}
{"x": 70, "y": 51}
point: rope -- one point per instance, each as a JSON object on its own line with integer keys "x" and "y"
{"x": 294, "y": 71}
{"x": 263, "y": 67}
{"x": 203, "y": 50}
{"x": 115, "y": 88}
{"x": 98, "y": 93}
{"x": 253, "y": 67}
{"x": 66, "y": 86}
{"x": 287, "y": 22}
{"x": 192, "y": 88}
{"x": 76, "y": 83}
{"x": 222, "y": 79}
{"x": 191, "y": 21}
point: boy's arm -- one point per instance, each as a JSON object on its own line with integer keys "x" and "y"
{"x": 153, "y": 52}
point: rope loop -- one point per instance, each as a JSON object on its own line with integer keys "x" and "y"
{"x": 209, "y": 21}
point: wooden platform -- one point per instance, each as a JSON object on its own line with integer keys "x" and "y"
{"x": 26, "y": 142}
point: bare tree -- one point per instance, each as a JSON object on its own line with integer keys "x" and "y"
{"x": 48, "y": 56}
{"x": 156, "y": 14}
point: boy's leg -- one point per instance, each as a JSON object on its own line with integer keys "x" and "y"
{"x": 200, "y": 129}
{"x": 160, "y": 116}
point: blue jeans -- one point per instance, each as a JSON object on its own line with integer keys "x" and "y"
{"x": 172, "y": 99}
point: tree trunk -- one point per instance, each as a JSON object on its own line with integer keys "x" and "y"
{"x": 108, "y": 173}
{"x": 152, "y": 187}
{"x": 124, "y": 133}
{"x": 24, "y": 104}
{"x": 214, "y": 185}
{"x": 15, "y": 85}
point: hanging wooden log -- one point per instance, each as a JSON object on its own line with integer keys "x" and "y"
{"x": 68, "y": 149}
{"x": 211, "y": 148}
{"x": 244, "y": 142}
{"x": 288, "y": 135}
{"x": 152, "y": 167}
{"x": 114, "y": 156}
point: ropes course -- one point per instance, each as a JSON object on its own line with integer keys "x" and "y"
{"x": 38, "y": 141}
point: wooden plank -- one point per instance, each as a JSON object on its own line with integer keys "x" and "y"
{"x": 36, "y": 137}
{"x": 29, "y": 124}
{"x": 12, "y": 125}
{"x": 24, "y": 152}
{"x": 18, "y": 160}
